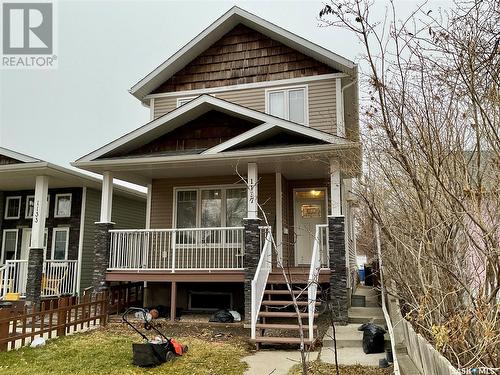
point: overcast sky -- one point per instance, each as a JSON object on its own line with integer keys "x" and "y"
{"x": 104, "y": 47}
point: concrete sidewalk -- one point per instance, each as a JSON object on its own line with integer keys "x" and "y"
{"x": 277, "y": 362}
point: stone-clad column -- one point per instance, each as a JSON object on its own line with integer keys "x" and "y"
{"x": 101, "y": 255}
{"x": 251, "y": 239}
{"x": 34, "y": 280}
{"x": 338, "y": 277}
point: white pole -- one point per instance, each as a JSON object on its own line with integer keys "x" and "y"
{"x": 279, "y": 217}
{"x": 39, "y": 212}
{"x": 335, "y": 195}
{"x": 252, "y": 178}
{"x": 106, "y": 197}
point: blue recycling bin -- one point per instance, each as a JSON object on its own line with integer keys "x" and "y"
{"x": 362, "y": 274}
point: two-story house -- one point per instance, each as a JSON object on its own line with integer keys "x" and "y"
{"x": 252, "y": 127}
{"x": 47, "y": 249}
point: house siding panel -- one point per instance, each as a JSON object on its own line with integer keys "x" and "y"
{"x": 127, "y": 213}
{"x": 162, "y": 198}
{"x": 322, "y": 99}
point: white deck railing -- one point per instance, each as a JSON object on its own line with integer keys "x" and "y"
{"x": 259, "y": 281}
{"x": 322, "y": 237}
{"x": 312, "y": 287}
{"x": 177, "y": 249}
{"x": 58, "y": 277}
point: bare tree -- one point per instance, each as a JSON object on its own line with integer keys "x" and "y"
{"x": 431, "y": 119}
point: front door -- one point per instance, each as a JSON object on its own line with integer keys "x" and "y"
{"x": 26, "y": 242}
{"x": 310, "y": 210}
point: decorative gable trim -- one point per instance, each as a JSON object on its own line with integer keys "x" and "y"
{"x": 202, "y": 104}
{"x": 219, "y": 28}
{"x": 17, "y": 156}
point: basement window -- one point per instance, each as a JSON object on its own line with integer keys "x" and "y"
{"x": 210, "y": 301}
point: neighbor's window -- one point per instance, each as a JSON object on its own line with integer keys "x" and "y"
{"x": 63, "y": 205}
{"x": 60, "y": 240}
{"x": 9, "y": 245}
{"x": 12, "y": 207}
{"x": 289, "y": 104}
{"x": 30, "y": 205}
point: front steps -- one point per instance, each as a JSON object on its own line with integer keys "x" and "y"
{"x": 277, "y": 320}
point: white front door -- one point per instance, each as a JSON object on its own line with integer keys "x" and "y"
{"x": 26, "y": 242}
{"x": 310, "y": 210}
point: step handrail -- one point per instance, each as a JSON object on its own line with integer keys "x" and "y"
{"x": 312, "y": 283}
{"x": 259, "y": 281}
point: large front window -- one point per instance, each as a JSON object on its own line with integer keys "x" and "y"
{"x": 289, "y": 104}
{"x": 211, "y": 207}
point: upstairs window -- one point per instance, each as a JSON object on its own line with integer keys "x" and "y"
{"x": 12, "y": 207}
{"x": 30, "y": 206}
{"x": 288, "y": 103}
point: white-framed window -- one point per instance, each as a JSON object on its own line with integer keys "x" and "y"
{"x": 210, "y": 207}
{"x": 289, "y": 103}
{"x": 60, "y": 243}
{"x": 12, "y": 208}
{"x": 187, "y": 99}
{"x": 30, "y": 206}
{"x": 9, "y": 245}
{"x": 62, "y": 207}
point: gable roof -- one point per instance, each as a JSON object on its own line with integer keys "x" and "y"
{"x": 196, "y": 107}
{"x": 17, "y": 156}
{"x": 220, "y": 27}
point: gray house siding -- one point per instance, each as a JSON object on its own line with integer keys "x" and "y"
{"x": 127, "y": 213}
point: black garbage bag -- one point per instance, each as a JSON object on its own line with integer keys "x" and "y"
{"x": 222, "y": 316}
{"x": 373, "y": 338}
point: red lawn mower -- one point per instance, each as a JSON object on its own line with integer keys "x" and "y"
{"x": 152, "y": 352}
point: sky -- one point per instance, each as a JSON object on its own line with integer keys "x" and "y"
{"x": 105, "y": 47}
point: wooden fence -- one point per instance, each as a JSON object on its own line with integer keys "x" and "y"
{"x": 122, "y": 296}
{"x": 56, "y": 317}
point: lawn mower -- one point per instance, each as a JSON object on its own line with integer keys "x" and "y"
{"x": 152, "y": 352}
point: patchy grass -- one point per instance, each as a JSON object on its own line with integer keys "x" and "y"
{"x": 109, "y": 351}
{"x": 320, "y": 368}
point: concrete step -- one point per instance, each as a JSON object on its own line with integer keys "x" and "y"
{"x": 365, "y": 315}
{"x": 347, "y": 337}
{"x": 286, "y": 292}
{"x": 351, "y": 356}
{"x": 283, "y": 326}
{"x": 286, "y": 303}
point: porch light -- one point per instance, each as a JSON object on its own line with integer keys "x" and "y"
{"x": 315, "y": 193}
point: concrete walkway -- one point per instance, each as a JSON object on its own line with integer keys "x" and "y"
{"x": 349, "y": 339}
{"x": 277, "y": 362}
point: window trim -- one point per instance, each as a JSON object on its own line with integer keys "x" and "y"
{"x": 2, "y": 258}
{"x": 198, "y": 190}
{"x": 286, "y": 89}
{"x": 53, "y": 247}
{"x": 7, "y": 200}
{"x": 70, "y": 195}
{"x": 26, "y": 208}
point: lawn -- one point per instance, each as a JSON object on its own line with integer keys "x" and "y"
{"x": 109, "y": 351}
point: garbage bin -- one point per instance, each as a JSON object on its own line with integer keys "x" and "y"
{"x": 361, "y": 274}
{"x": 368, "y": 275}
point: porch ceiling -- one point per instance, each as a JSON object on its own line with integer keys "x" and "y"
{"x": 308, "y": 162}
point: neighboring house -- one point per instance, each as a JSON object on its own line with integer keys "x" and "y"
{"x": 246, "y": 114}
{"x": 73, "y": 206}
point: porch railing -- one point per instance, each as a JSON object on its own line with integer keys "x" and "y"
{"x": 312, "y": 288}
{"x": 58, "y": 277}
{"x": 321, "y": 235}
{"x": 177, "y": 249}
{"x": 259, "y": 281}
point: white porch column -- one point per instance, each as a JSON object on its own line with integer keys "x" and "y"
{"x": 39, "y": 212}
{"x": 279, "y": 217}
{"x": 335, "y": 195}
{"x": 148, "y": 206}
{"x": 252, "y": 178}
{"x": 106, "y": 197}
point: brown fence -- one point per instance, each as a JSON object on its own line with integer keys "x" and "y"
{"x": 122, "y": 296}
{"x": 56, "y": 317}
